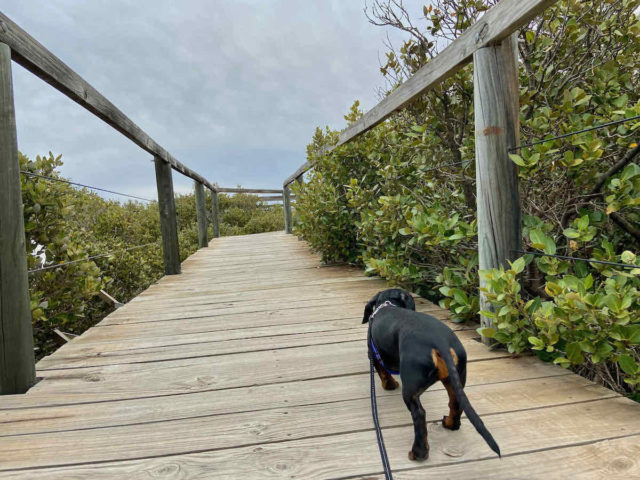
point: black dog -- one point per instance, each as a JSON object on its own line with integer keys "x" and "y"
{"x": 423, "y": 350}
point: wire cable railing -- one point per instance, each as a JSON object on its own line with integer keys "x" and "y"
{"x": 578, "y": 132}
{"x": 578, "y": 259}
{"x": 92, "y": 257}
{"x": 62, "y": 180}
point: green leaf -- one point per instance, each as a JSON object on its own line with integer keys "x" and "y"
{"x": 518, "y": 265}
{"x": 536, "y": 342}
{"x": 628, "y": 257}
{"x": 549, "y": 246}
{"x": 517, "y": 159}
{"x": 574, "y": 353}
{"x": 583, "y": 222}
{"x": 487, "y": 332}
{"x": 627, "y": 364}
{"x": 571, "y": 233}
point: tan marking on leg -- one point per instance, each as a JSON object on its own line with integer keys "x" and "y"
{"x": 438, "y": 361}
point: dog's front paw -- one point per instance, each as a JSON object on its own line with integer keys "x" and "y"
{"x": 389, "y": 384}
{"x": 417, "y": 454}
{"x": 451, "y": 423}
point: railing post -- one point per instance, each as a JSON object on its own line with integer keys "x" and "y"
{"x": 497, "y": 125}
{"x": 17, "y": 363}
{"x": 201, "y": 213}
{"x": 215, "y": 214}
{"x": 286, "y": 197}
{"x": 168, "y": 220}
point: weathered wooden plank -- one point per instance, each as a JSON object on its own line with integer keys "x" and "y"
{"x": 216, "y": 310}
{"x": 248, "y": 190}
{"x": 215, "y": 214}
{"x": 79, "y": 355}
{"x": 259, "y": 287}
{"x": 201, "y": 214}
{"x": 283, "y": 394}
{"x": 223, "y": 372}
{"x": 287, "y": 297}
{"x": 486, "y": 398}
{"x": 353, "y": 453}
{"x": 33, "y": 56}
{"x": 206, "y": 325}
{"x": 618, "y": 458}
{"x": 147, "y": 340}
{"x": 168, "y": 219}
{"x": 270, "y": 198}
{"x": 289, "y": 411}
{"x": 287, "y": 209}
{"x": 497, "y": 127}
{"x": 302, "y": 169}
{"x": 495, "y": 25}
{"x": 287, "y": 424}
{"x": 17, "y": 365}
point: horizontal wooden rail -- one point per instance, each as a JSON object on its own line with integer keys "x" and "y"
{"x": 246, "y": 190}
{"x": 495, "y": 25}
{"x": 33, "y": 56}
{"x": 298, "y": 173}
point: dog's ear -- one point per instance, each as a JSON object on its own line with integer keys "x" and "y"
{"x": 408, "y": 301}
{"x": 368, "y": 309}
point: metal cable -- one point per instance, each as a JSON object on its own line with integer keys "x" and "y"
{"x": 54, "y": 179}
{"x": 58, "y": 265}
{"x": 446, "y": 165}
{"x": 595, "y": 127}
{"x": 574, "y": 259}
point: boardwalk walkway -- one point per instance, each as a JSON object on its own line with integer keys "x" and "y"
{"x": 252, "y": 364}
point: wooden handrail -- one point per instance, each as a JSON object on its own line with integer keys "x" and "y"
{"x": 33, "y": 56}
{"x": 247, "y": 190}
{"x": 495, "y": 25}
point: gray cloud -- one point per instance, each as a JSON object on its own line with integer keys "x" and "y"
{"x": 233, "y": 89}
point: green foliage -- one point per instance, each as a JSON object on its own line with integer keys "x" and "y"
{"x": 400, "y": 199}
{"x": 65, "y": 224}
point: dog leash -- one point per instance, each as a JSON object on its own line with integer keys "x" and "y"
{"x": 374, "y": 404}
{"x": 374, "y": 414}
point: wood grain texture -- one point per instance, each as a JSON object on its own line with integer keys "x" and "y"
{"x": 495, "y": 25}
{"x": 247, "y": 190}
{"x": 497, "y": 127}
{"x": 287, "y": 209}
{"x": 215, "y": 214}
{"x": 354, "y": 453}
{"x": 302, "y": 169}
{"x": 270, "y": 198}
{"x": 259, "y": 427}
{"x": 201, "y": 215}
{"x": 615, "y": 459}
{"x": 17, "y": 364}
{"x": 273, "y": 383}
{"x": 168, "y": 219}
{"x": 33, "y": 56}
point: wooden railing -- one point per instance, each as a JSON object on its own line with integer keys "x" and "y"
{"x": 487, "y": 43}
{"x": 17, "y": 366}
{"x": 491, "y": 46}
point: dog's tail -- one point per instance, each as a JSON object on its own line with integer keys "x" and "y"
{"x": 463, "y": 401}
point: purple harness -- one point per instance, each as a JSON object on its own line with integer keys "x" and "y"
{"x": 372, "y": 345}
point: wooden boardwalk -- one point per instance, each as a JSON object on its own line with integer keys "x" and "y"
{"x": 252, "y": 364}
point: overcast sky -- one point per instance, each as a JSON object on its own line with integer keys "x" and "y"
{"x": 234, "y": 89}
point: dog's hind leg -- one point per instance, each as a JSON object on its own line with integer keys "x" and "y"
{"x": 451, "y": 421}
{"x": 388, "y": 382}
{"x": 411, "y": 396}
